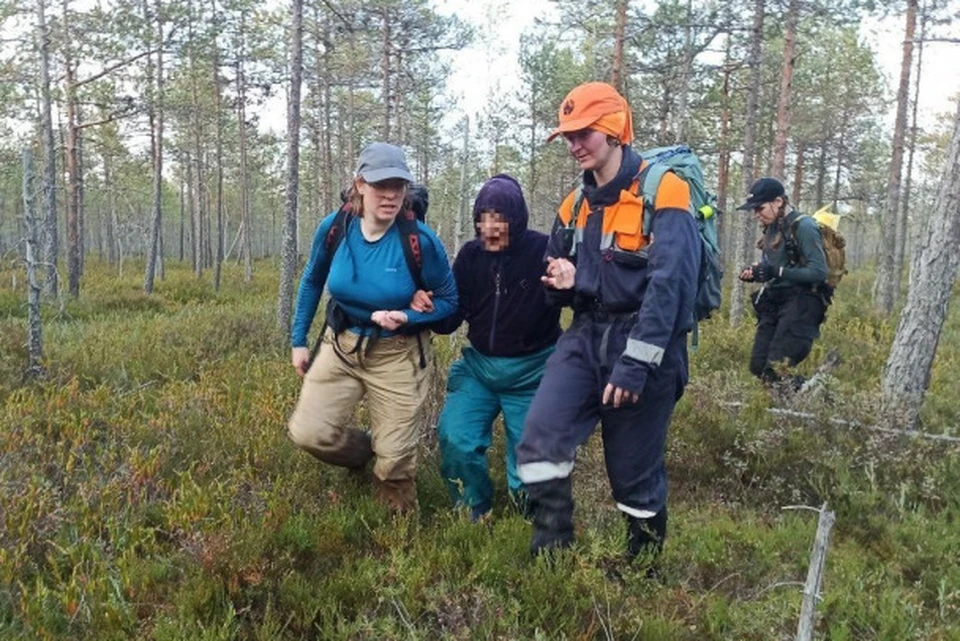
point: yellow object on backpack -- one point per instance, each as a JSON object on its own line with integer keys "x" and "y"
{"x": 834, "y": 244}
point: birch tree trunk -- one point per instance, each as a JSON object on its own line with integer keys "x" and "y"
{"x": 778, "y": 166}
{"x": 288, "y": 258}
{"x": 746, "y": 228}
{"x": 50, "y": 233}
{"x": 34, "y": 327}
{"x": 907, "y": 374}
{"x": 385, "y": 71}
{"x": 885, "y": 285}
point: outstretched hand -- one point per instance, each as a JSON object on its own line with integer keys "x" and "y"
{"x": 561, "y": 273}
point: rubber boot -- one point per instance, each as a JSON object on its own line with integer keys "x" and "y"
{"x": 354, "y": 452}
{"x": 645, "y": 536}
{"x": 552, "y": 505}
{"x": 400, "y": 496}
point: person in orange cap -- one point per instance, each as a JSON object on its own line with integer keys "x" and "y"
{"x": 623, "y": 361}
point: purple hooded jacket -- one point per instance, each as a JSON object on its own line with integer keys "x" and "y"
{"x": 500, "y": 294}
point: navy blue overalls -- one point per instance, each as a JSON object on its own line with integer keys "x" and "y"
{"x": 633, "y": 303}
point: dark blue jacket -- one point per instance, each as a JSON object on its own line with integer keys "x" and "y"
{"x": 500, "y": 294}
{"x": 620, "y": 270}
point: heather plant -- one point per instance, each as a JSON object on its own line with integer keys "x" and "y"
{"x": 149, "y": 491}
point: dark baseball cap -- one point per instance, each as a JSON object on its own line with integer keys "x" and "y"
{"x": 763, "y": 191}
{"x": 383, "y": 161}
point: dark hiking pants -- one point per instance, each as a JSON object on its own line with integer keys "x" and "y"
{"x": 788, "y": 321}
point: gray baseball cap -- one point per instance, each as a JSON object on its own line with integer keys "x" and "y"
{"x": 382, "y": 161}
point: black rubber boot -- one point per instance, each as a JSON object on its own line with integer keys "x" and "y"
{"x": 645, "y": 536}
{"x": 552, "y": 505}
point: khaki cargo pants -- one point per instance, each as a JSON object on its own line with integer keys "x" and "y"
{"x": 395, "y": 386}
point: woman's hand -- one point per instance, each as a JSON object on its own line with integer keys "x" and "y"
{"x": 561, "y": 273}
{"x": 301, "y": 360}
{"x": 389, "y": 320}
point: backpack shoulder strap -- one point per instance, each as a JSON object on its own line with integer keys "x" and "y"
{"x": 648, "y": 182}
{"x": 336, "y": 234}
{"x": 410, "y": 241}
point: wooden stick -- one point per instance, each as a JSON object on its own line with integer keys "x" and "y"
{"x": 811, "y": 590}
{"x": 807, "y": 416}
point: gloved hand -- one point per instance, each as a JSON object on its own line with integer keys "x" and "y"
{"x": 764, "y": 272}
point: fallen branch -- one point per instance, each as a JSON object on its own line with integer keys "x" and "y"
{"x": 808, "y": 416}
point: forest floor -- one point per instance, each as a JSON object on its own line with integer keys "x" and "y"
{"x": 148, "y": 490}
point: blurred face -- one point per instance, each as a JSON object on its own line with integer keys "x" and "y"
{"x": 590, "y": 148}
{"x": 494, "y": 231}
{"x": 768, "y": 212}
{"x": 382, "y": 200}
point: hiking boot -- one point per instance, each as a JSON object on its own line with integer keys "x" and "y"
{"x": 400, "y": 496}
{"x": 552, "y": 506}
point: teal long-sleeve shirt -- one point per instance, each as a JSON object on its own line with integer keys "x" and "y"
{"x": 811, "y": 269}
{"x": 367, "y": 276}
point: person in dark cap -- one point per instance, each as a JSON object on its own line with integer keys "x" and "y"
{"x": 791, "y": 302}
{"x": 512, "y": 331}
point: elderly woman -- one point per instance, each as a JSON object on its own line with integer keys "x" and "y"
{"x": 372, "y": 343}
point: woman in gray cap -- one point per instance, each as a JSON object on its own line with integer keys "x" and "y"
{"x": 371, "y": 343}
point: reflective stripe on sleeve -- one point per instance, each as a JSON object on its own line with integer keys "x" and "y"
{"x": 541, "y": 471}
{"x": 643, "y": 352}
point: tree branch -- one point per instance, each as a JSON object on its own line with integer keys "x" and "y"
{"x": 114, "y": 67}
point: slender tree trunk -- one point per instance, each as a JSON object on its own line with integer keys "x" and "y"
{"x": 72, "y": 165}
{"x": 841, "y": 158}
{"x": 745, "y": 240}
{"x": 884, "y": 287}
{"x": 798, "y": 175}
{"x": 197, "y": 212}
{"x": 81, "y": 217}
{"x": 778, "y": 167}
{"x": 183, "y": 221}
{"x": 111, "y": 222}
{"x": 34, "y": 327}
{"x": 218, "y": 110}
{"x": 330, "y": 194}
{"x": 822, "y": 170}
{"x": 154, "y": 246}
{"x": 909, "y": 366}
{"x": 385, "y": 70}
{"x": 903, "y": 220}
{"x": 680, "y": 128}
{"x": 616, "y": 69}
{"x": 463, "y": 204}
{"x": 50, "y": 233}
{"x": 246, "y": 247}
{"x": 288, "y": 259}
{"x": 723, "y": 170}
